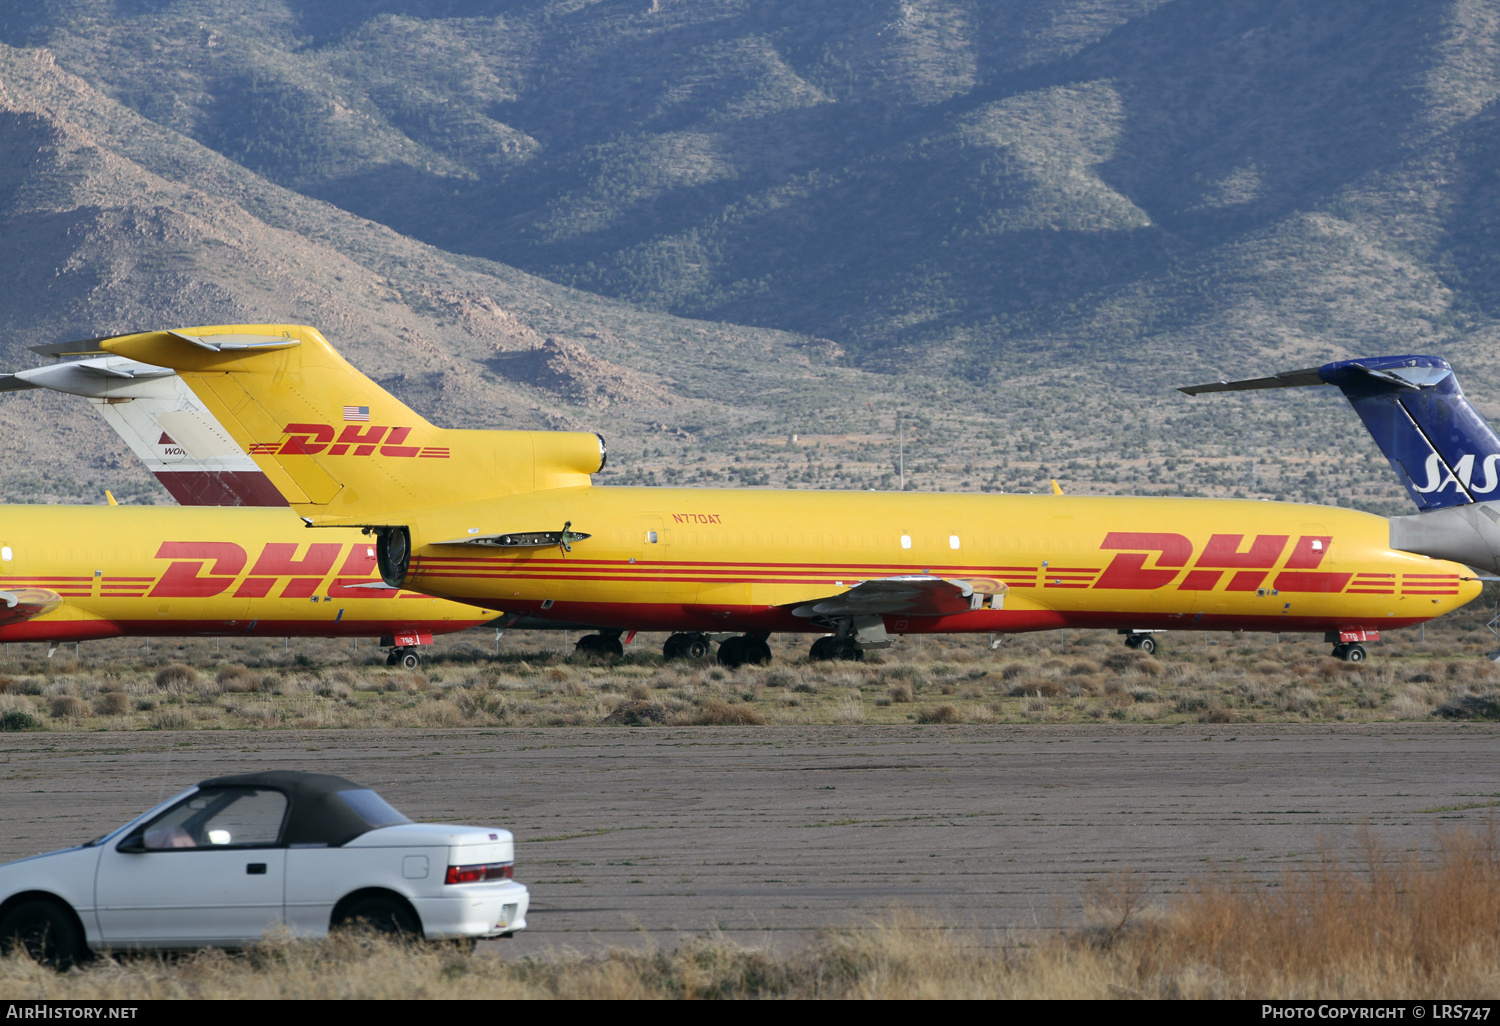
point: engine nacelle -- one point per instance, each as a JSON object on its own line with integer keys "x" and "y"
{"x": 1465, "y": 534}
{"x": 393, "y": 554}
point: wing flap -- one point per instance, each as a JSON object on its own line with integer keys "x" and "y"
{"x": 913, "y": 595}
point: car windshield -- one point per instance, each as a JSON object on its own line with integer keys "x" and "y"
{"x": 372, "y": 808}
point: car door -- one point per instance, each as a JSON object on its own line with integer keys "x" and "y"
{"x": 209, "y": 871}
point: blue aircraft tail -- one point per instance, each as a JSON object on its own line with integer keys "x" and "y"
{"x": 1437, "y": 443}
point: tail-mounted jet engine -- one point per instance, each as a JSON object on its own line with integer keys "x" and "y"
{"x": 393, "y": 554}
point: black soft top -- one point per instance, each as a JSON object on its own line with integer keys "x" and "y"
{"x": 315, "y": 814}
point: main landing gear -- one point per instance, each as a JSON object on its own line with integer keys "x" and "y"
{"x": 742, "y": 649}
{"x": 605, "y": 643}
{"x": 834, "y": 647}
{"x": 735, "y": 650}
{"x": 686, "y": 645}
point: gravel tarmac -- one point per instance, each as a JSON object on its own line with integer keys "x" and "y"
{"x": 645, "y": 836}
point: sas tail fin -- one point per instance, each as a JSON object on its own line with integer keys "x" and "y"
{"x": 162, "y": 421}
{"x": 337, "y": 445}
{"x": 1439, "y": 446}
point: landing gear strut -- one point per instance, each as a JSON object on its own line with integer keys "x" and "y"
{"x": 601, "y": 644}
{"x": 685, "y": 645}
{"x": 746, "y": 648}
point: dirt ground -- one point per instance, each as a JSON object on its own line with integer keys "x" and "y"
{"x": 641, "y": 836}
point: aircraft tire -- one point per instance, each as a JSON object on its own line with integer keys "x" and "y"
{"x": 756, "y": 652}
{"x": 694, "y": 646}
{"x": 822, "y": 649}
{"x": 408, "y": 660}
{"x": 848, "y": 651}
{"x": 1340, "y": 652}
{"x": 672, "y": 649}
{"x": 1354, "y": 654}
{"x": 587, "y": 645}
{"x": 1147, "y": 644}
{"x": 391, "y": 657}
{"x": 613, "y": 647}
{"x": 732, "y": 652}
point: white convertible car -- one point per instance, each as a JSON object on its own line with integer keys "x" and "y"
{"x": 222, "y": 863}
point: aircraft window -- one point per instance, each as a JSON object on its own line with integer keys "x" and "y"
{"x": 953, "y": 541}
{"x": 5, "y": 553}
{"x": 651, "y": 537}
{"x": 906, "y": 541}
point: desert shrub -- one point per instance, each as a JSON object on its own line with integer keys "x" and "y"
{"x": 176, "y": 675}
{"x": 112, "y": 703}
{"x": 15, "y": 719}
{"x": 1471, "y": 707}
{"x": 637, "y": 713}
{"x": 68, "y": 705}
{"x": 901, "y": 692}
{"x": 719, "y": 713}
{"x": 1038, "y": 687}
{"x": 944, "y": 713}
{"x": 639, "y": 693}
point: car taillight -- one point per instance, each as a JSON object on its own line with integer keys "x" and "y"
{"x": 478, "y": 874}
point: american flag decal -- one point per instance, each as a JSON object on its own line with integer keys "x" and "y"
{"x": 357, "y": 413}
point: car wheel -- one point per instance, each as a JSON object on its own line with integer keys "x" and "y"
{"x": 45, "y": 931}
{"x": 380, "y": 915}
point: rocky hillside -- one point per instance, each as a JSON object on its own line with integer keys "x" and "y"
{"x": 994, "y": 221}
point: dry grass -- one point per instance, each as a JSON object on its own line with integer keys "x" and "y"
{"x": 529, "y": 680}
{"x": 1389, "y": 927}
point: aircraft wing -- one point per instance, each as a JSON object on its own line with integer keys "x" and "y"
{"x": 914, "y": 595}
{"x": 27, "y": 604}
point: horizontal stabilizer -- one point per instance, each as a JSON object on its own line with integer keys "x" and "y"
{"x": 1443, "y": 451}
{"x": 914, "y": 595}
{"x": 80, "y": 347}
{"x": 1288, "y": 379}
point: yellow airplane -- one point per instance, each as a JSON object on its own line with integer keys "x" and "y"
{"x": 78, "y": 573}
{"x": 511, "y": 519}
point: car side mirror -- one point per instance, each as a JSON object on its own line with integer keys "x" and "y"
{"x": 132, "y": 845}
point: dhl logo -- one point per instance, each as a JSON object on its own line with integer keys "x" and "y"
{"x": 353, "y": 440}
{"x": 206, "y": 569}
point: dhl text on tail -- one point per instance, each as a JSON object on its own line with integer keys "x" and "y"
{"x": 511, "y": 519}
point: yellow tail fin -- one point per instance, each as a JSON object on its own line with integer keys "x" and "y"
{"x": 337, "y": 445}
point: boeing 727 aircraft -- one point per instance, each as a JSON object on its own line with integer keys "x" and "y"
{"x": 511, "y": 518}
